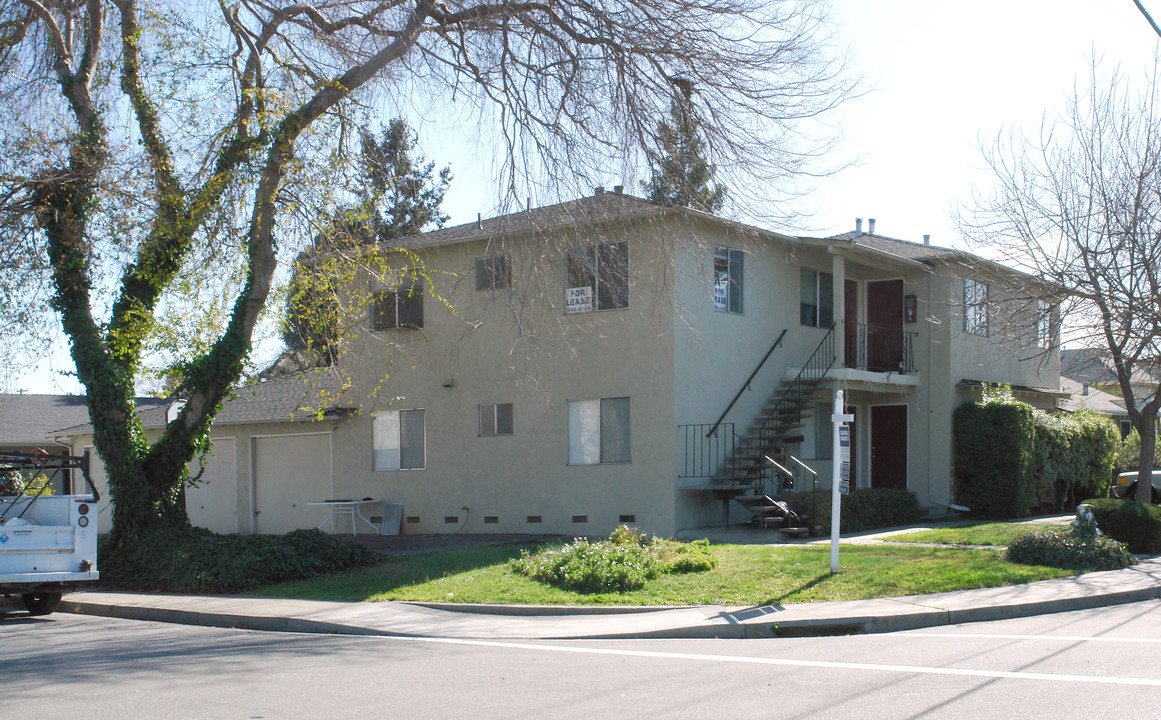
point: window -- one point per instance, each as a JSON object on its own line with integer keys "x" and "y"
{"x": 975, "y": 307}
{"x": 496, "y": 419}
{"x": 1043, "y": 324}
{"x": 598, "y": 431}
{"x": 598, "y": 277}
{"x": 728, "y": 280}
{"x": 399, "y": 441}
{"x": 493, "y": 273}
{"x": 401, "y": 308}
{"x": 817, "y": 298}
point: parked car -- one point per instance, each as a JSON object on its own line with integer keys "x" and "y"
{"x": 1126, "y": 485}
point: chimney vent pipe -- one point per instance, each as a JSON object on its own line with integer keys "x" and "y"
{"x": 858, "y": 227}
{"x": 926, "y": 239}
{"x": 871, "y": 226}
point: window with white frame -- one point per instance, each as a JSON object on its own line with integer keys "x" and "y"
{"x": 816, "y": 306}
{"x": 1043, "y": 324}
{"x": 975, "y": 307}
{"x": 597, "y": 277}
{"x": 496, "y": 419}
{"x": 598, "y": 431}
{"x": 728, "y": 280}
{"x": 399, "y": 440}
{"x": 493, "y": 273}
{"x": 402, "y": 308}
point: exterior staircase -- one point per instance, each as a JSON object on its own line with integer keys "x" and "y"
{"x": 774, "y": 433}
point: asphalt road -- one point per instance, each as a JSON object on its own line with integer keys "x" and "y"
{"x": 1102, "y": 663}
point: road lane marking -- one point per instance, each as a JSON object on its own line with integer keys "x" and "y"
{"x": 1054, "y": 638}
{"x": 787, "y": 662}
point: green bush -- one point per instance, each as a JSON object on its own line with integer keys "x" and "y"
{"x": 862, "y": 509}
{"x": 1129, "y": 453}
{"x": 197, "y": 560}
{"x": 994, "y": 443}
{"x": 1136, "y": 524}
{"x": 1064, "y": 550}
{"x": 626, "y": 561}
{"x": 1075, "y": 453}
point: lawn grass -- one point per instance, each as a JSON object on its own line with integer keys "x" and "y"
{"x": 996, "y": 534}
{"x": 745, "y": 575}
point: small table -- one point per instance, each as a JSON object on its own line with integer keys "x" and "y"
{"x": 347, "y": 507}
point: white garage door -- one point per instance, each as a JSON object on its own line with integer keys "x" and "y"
{"x": 212, "y": 502}
{"x": 289, "y": 472}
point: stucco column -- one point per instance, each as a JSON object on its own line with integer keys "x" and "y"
{"x": 839, "y": 272}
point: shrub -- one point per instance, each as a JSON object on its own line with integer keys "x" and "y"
{"x": 624, "y": 562}
{"x": 1063, "y": 550}
{"x": 1129, "y": 453}
{"x": 993, "y": 456}
{"x": 863, "y": 509}
{"x": 197, "y": 560}
{"x": 1074, "y": 454}
{"x": 1136, "y": 524}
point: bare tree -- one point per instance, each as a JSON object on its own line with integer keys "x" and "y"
{"x": 142, "y": 140}
{"x": 1079, "y": 204}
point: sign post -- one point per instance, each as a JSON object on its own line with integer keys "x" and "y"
{"x": 841, "y": 473}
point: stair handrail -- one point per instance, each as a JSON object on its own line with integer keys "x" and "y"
{"x": 814, "y": 364}
{"x": 746, "y": 385}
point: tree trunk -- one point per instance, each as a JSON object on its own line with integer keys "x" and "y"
{"x": 1148, "y": 431}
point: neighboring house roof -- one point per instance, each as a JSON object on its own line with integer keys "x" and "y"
{"x": 1086, "y": 397}
{"x": 1094, "y": 366}
{"x": 294, "y": 398}
{"x": 31, "y": 419}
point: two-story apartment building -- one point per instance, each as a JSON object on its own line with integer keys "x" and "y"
{"x": 607, "y": 360}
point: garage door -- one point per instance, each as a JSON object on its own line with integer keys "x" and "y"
{"x": 212, "y": 502}
{"x": 289, "y": 472}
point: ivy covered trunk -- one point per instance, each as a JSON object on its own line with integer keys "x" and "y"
{"x": 1148, "y": 432}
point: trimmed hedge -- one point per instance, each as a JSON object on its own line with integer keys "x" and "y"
{"x": 862, "y": 509}
{"x": 1065, "y": 550}
{"x": 1005, "y": 451}
{"x": 994, "y": 453}
{"x": 199, "y": 561}
{"x": 1076, "y": 453}
{"x": 1136, "y": 524}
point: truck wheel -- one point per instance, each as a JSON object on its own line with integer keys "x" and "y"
{"x": 41, "y": 603}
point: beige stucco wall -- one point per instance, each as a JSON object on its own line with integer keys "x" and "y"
{"x": 517, "y": 345}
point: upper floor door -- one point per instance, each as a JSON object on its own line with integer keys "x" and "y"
{"x": 884, "y": 340}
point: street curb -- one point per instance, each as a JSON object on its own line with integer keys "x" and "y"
{"x": 922, "y": 616}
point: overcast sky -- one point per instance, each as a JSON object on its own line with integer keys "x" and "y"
{"x": 942, "y": 78}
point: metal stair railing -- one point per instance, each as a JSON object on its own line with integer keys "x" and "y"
{"x": 798, "y": 391}
{"x": 704, "y": 452}
{"x": 746, "y": 385}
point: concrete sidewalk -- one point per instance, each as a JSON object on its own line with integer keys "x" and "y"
{"x": 1142, "y": 582}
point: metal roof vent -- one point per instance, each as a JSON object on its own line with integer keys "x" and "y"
{"x": 858, "y": 227}
{"x": 871, "y": 226}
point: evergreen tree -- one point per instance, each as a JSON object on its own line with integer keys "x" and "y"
{"x": 400, "y": 191}
{"x": 401, "y": 196}
{"x": 681, "y": 175}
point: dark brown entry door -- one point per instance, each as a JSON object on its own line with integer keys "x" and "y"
{"x": 885, "y": 321}
{"x": 889, "y": 446}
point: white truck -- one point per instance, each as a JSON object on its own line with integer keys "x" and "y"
{"x": 48, "y": 542}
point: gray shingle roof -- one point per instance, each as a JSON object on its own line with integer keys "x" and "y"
{"x": 1090, "y": 399}
{"x": 30, "y": 419}
{"x": 591, "y": 210}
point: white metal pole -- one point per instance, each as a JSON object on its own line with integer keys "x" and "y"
{"x": 838, "y": 457}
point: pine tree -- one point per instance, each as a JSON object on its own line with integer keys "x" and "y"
{"x": 400, "y": 196}
{"x": 681, "y": 174}
{"x": 400, "y": 191}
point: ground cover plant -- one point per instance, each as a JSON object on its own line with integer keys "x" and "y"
{"x": 742, "y": 575}
{"x": 1138, "y": 525}
{"x": 996, "y": 533}
{"x": 200, "y": 561}
{"x": 625, "y": 561}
